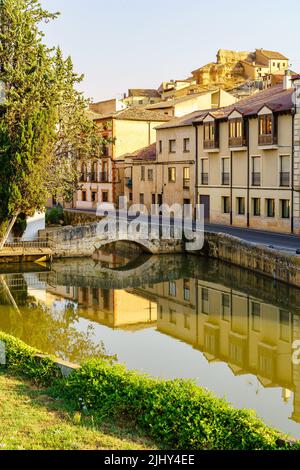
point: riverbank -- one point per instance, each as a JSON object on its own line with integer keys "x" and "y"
{"x": 175, "y": 414}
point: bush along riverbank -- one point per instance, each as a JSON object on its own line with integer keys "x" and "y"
{"x": 177, "y": 414}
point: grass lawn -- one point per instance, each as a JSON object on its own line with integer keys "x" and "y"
{"x": 31, "y": 420}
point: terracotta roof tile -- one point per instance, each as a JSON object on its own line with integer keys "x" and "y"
{"x": 272, "y": 54}
{"x": 134, "y": 114}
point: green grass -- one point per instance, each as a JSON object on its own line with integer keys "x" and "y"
{"x": 32, "y": 420}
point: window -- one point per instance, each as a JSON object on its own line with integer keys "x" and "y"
{"x": 226, "y": 314}
{"x": 285, "y": 323}
{"x": 240, "y": 202}
{"x": 104, "y": 196}
{"x": 186, "y": 173}
{"x": 256, "y": 175}
{"x": 142, "y": 173}
{"x": 274, "y": 64}
{"x": 150, "y": 175}
{"x": 161, "y": 313}
{"x": 172, "y": 174}
{"x": 94, "y": 196}
{"x": 225, "y": 171}
{"x": 236, "y": 128}
{"x": 186, "y": 145}
{"x": 256, "y": 206}
{"x": 255, "y": 313}
{"x": 186, "y": 289}
{"x": 141, "y": 101}
{"x": 204, "y": 171}
{"x": 130, "y": 196}
{"x": 172, "y": 289}
{"x": 226, "y": 204}
{"x": 205, "y": 300}
{"x": 153, "y": 198}
{"x": 160, "y": 146}
{"x": 83, "y": 196}
{"x": 285, "y": 208}
{"x": 172, "y": 146}
{"x": 172, "y": 317}
{"x": 187, "y": 322}
{"x": 266, "y": 124}
{"x": 142, "y": 198}
{"x": 270, "y": 206}
{"x": 284, "y": 170}
{"x": 209, "y": 131}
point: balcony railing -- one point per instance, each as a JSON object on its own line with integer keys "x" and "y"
{"x": 237, "y": 142}
{"x": 267, "y": 139}
{"x": 204, "y": 178}
{"x": 210, "y": 144}
{"x": 256, "y": 179}
{"x": 284, "y": 178}
{"x": 225, "y": 178}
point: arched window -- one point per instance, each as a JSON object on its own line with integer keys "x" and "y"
{"x": 83, "y": 172}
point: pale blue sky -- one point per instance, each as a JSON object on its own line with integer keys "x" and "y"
{"x": 121, "y": 44}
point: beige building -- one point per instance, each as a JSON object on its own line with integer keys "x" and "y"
{"x": 141, "y": 96}
{"x": 126, "y": 130}
{"x": 242, "y": 160}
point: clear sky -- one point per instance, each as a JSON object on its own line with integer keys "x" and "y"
{"x": 121, "y": 44}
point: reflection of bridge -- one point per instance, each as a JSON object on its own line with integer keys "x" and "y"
{"x": 147, "y": 270}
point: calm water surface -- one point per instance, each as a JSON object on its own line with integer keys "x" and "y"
{"x": 230, "y": 330}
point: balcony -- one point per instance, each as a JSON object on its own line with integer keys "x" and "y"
{"x": 103, "y": 177}
{"x": 237, "y": 143}
{"x": 226, "y": 179}
{"x": 211, "y": 145}
{"x": 267, "y": 141}
{"x": 256, "y": 179}
{"x": 186, "y": 183}
{"x": 285, "y": 178}
{"x": 94, "y": 178}
{"x": 84, "y": 177}
{"x": 204, "y": 179}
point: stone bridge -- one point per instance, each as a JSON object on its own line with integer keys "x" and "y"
{"x": 84, "y": 240}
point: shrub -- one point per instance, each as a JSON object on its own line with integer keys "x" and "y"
{"x": 177, "y": 413}
{"x": 55, "y": 215}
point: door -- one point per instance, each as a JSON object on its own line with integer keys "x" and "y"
{"x": 205, "y": 200}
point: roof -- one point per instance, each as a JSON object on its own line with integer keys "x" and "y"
{"x": 149, "y": 92}
{"x": 133, "y": 114}
{"x": 272, "y": 54}
{"x": 146, "y": 153}
{"x": 276, "y": 98}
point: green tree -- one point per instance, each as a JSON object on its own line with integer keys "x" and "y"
{"x": 44, "y": 125}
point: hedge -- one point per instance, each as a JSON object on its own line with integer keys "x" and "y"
{"x": 178, "y": 414}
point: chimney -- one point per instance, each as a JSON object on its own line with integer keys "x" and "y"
{"x": 287, "y": 80}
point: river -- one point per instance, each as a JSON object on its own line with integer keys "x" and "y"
{"x": 230, "y": 330}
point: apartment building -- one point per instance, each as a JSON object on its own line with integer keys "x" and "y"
{"x": 126, "y": 130}
{"x": 243, "y": 159}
